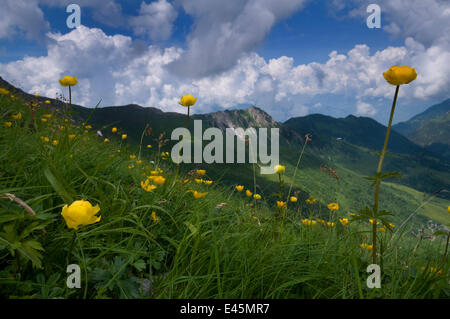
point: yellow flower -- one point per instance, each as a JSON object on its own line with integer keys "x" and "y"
{"x": 155, "y": 218}
{"x": 198, "y": 180}
{"x": 331, "y": 224}
{"x": 88, "y": 127}
{"x": 72, "y": 136}
{"x": 80, "y": 213}
{"x": 47, "y": 102}
{"x": 114, "y": 130}
{"x": 8, "y": 124}
{"x": 279, "y": 169}
{"x": 132, "y": 157}
{"x": 37, "y": 95}
{"x": 240, "y": 188}
{"x": 118, "y": 151}
{"x": 448, "y": 209}
{"x": 106, "y": 140}
{"x": 68, "y": 81}
{"x": 17, "y": 116}
{"x": 149, "y": 146}
{"x": 44, "y": 120}
{"x": 198, "y": 195}
{"x": 344, "y": 221}
{"x": 308, "y": 222}
{"x": 4, "y": 91}
{"x": 382, "y": 229}
{"x": 124, "y": 136}
{"x": 139, "y": 162}
{"x": 372, "y": 221}
{"x": 187, "y": 100}
{"x": 321, "y": 220}
{"x": 146, "y": 186}
{"x": 257, "y": 196}
{"x": 47, "y": 116}
{"x": 61, "y": 128}
{"x": 392, "y": 225}
{"x": 398, "y": 75}
{"x": 201, "y": 172}
{"x": 208, "y": 182}
{"x": 281, "y": 204}
{"x": 366, "y": 246}
{"x": 248, "y": 193}
{"x": 311, "y": 200}
{"x": 159, "y": 180}
{"x": 293, "y": 199}
{"x": 55, "y": 142}
{"x": 154, "y": 172}
{"x": 130, "y": 166}
{"x": 333, "y": 206}
{"x": 45, "y": 139}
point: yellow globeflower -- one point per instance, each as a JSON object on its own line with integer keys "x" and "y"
{"x": 68, "y": 81}
{"x": 257, "y": 196}
{"x": 208, "y": 182}
{"x": 37, "y": 95}
{"x": 448, "y": 209}
{"x": 398, "y": 75}
{"x": 344, "y": 221}
{"x": 124, "y": 136}
{"x": 155, "y": 218}
{"x": 159, "y": 180}
{"x": 47, "y": 102}
{"x": 279, "y": 169}
{"x": 201, "y": 172}
{"x": 80, "y": 213}
{"x": 187, "y": 100}
{"x": 114, "y": 130}
{"x": 132, "y": 157}
{"x": 146, "y": 186}
{"x": 106, "y": 140}
{"x": 47, "y": 116}
{"x": 17, "y": 116}
{"x": 311, "y": 200}
{"x": 333, "y": 206}
{"x": 240, "y": 188}
{"x": 382, "y": 229}
{"x": 198, "y": 195}
{"x": 248, "y": 193}
{"x": 281, "y": 204}
{"x": 4, "y": 91}
{"x": 44, "y": 120}
{"x": 293, "y": 199}
{"x": 55, "y": 142}
{"x": 149, "y": 146}
{"x": 198, "y": 180}
{"x": 331, "y": 224}
{"x": 88, "y": 127}
{"x": 8, "y": 124}
{"x": 372, "y": 221}
{"x": 72, "y": 136}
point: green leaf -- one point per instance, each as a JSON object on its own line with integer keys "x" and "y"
{"x": 58, "y": 185}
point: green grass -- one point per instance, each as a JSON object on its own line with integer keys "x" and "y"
{"x": 195, "y": 250}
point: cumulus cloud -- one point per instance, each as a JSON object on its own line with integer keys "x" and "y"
{"x": 155, "y": 20}
{"x": 225, "y": 30}
{"x": 18, "y": 17}
{"x": 365, "y": 109}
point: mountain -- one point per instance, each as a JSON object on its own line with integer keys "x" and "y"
{"x": 346, "y": 146}
{"x": 430, "y": 129}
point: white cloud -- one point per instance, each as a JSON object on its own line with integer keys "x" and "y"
{"x": 21, "y": 17}
{"x": 365, "y": 109}
{"x": 225, "y": 30}
{"x": 155, "y": 20}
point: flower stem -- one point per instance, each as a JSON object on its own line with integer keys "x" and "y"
{"x": 295, "y": 171}
{"x": 70, "y": 248}
{"x": 378, "y": 179}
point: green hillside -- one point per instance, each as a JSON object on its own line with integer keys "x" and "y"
{"x": 430, "y": 129}
{"x": 186, "y": 238}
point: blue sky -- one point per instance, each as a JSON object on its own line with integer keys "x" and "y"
{"x": 275, "y": 54}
